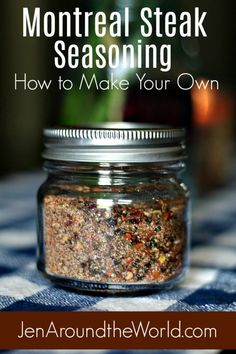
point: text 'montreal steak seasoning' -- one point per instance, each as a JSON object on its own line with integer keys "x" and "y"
{"x": 113, "y": 212}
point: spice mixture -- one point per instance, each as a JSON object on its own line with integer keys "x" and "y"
{"x": 108, "y": 240}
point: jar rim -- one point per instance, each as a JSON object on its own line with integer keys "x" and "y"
{"x": 115, "y": 142}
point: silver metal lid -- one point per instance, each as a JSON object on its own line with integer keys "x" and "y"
{"x": 115, "y": 143}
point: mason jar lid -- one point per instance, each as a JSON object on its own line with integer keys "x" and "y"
{"x": 115, "y": 143}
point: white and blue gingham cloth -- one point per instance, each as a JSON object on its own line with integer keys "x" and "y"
{"x": 210, "y": 284}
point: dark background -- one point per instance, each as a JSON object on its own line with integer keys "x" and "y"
{"x": 23, "y": 114}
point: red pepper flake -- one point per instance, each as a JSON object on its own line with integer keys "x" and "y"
{"x": 127, "y": 261}
{"x": 138, "y": 245}
{"x": 69, "y": 223}
{"x": 156, "y": 275}
{"x": 128, "y": 236}
{"x": 166, "y": 216}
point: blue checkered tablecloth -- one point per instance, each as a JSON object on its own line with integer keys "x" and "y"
{"x": 209, "y": 286}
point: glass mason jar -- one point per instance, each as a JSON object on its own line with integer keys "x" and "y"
{"x": 113, "y": 212}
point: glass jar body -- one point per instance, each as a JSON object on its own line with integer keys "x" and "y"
{"x": 113, "y": 228}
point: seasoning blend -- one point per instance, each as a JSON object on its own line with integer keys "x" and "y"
{"x": 113, "y": 212}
